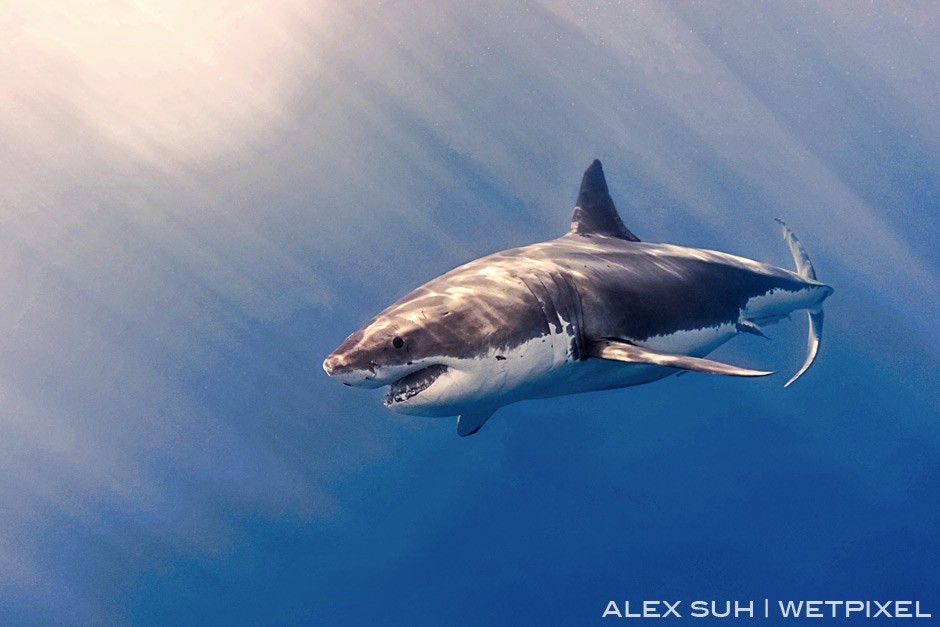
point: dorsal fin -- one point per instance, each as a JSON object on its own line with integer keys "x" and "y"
{"x": 595, "y": 213}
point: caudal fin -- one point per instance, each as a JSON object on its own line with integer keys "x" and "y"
{"x": 804, "y": 267}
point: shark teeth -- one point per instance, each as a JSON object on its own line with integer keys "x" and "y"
{"x": 413, "y": 384}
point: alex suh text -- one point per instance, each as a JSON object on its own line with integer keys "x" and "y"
{"x": 766, "y": 608}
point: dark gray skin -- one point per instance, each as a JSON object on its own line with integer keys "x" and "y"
{"x": 509, "y": 326}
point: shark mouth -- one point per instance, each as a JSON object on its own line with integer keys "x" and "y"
{"x": 413, "y": 384}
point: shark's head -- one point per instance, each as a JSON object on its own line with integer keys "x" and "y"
{"x": 380, "y": 353}
{"x": 409, "y": 349}
{"x": 444, "y": 347}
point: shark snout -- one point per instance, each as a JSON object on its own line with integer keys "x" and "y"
{"x": 333, "y": 365}
{"x": 349, "y": 371}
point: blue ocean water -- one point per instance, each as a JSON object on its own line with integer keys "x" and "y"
{"x": 174, "y": 454}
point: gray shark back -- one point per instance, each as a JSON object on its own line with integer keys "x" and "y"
{"x": 612, "y": 287}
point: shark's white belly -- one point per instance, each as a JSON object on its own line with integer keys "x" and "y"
{"x": 544, "y": 366}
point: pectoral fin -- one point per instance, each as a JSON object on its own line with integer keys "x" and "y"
{"x": 468, "y": 424}
{"x": 618, "y": 350}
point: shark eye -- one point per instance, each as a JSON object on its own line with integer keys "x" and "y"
{"x": 397, "y": 342}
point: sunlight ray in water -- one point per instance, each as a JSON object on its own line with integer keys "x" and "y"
{"x": 166, "y": 80}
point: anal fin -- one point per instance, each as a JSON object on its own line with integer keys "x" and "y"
{"x": 747, "y": 326}
{"x": 468, "y": 424}
{"x": 618, "y": 350}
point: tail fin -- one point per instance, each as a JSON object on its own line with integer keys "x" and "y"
{"x": 815, "y": 336}
{"x": 804, "y": 267}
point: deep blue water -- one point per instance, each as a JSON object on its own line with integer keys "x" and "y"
{"x": 172, "y": 452}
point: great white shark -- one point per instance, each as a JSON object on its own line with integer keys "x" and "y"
{"x": 595, "y": 309}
